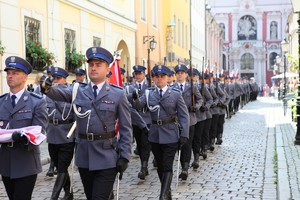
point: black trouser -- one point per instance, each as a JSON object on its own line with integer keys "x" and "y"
{"x": 19, "y": 188}
{"x": 186, "y": 151}
{"x": 142, "y": 143}
{"x": 164, "y": 155}
{"x": 199, "y": 131}
{"x": 205, "y": 135}
{"x": 61, "y": 155}
{"x": 236, "y": 103}
{"x": 220, "y": 126}
{"x": 213, "y": 126}
{"x": 97, "y": 184}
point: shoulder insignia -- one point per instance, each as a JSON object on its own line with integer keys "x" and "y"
{"x": 36, "y": 95}
{"x": 82, "y": 84}
{"x": 175, "y": 89}
{"x": 3, "y": 95}
{"x": 116, "y": 86}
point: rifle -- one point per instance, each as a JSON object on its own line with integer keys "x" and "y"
{"x": 192, "y": 82}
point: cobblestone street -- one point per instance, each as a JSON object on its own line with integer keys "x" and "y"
{"x": 243, "y": 167}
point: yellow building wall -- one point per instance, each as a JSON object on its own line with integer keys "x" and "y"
{"x": 181, "y": 10}
{"x": 145, "y": 28}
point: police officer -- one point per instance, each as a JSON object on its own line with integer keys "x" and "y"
{"x": 61, "y": 149}
{"x": 80, "y": 75}
{"x": 169, "y": 114}
{"x": 201, "y": 136}
{"x": 140, "y": 135}
{"x": 100, "y": 155}
{"x": 193, "y": 101}
{"x": 20, "y": 160}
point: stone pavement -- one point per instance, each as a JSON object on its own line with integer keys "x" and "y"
{"x": 244, "y": 167}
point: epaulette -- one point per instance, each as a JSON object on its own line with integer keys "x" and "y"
{"x": 177, "y": 90}
{"x": 81, "y": 84}
{"x": 116, "y": 86}
{"x": 36, "y": 95}
{"x": 3, "y": 95}
{"x": 151, "y": 88}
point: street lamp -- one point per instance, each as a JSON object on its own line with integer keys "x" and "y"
{"x": 284, "y": 48}
{"x": 151, "y": 47}
{"x": 297, "y": 138}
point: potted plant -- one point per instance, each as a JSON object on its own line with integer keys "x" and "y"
{"x": 2, "y": 49}
{"x": 74, "y": 59}
{"x": 38, "y": 56}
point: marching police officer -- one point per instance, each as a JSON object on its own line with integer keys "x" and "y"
{"x": 170, "y": 125}
{"x": 99, "y": 155}
{"x": 61, "y": 149}
{"x": 20, "y": 160}
{"x": 141, "y": 136}
{"x": 193, "y": 101}
{"x": 80, "y": 75}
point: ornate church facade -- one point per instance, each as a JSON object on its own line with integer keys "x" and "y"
{"x": 253, "y": 32}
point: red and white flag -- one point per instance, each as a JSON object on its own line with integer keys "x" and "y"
{"x": 115, "y": 77}
{"x": 33, "y": 134}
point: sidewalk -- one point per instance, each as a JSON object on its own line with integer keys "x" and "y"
{"x": 288, "y": 157}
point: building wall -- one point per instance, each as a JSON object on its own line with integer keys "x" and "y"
{"x": 112, "y": 21}
{"x": 232, "y": 14}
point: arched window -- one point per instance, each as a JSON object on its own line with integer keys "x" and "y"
{"x": 272, "y": 60}
{"x": 273, "y": 30}
{"x": 222, "y": 26}
{"x": 247, "y": 61}
{"x": 224, "y": 62}
{"x": 247, "y": 28}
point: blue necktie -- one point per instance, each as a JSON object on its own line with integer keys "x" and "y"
{"x": 140, "y": 87}
{"x": 95, "y": 87}
{"x": 13, "y": 100}
{"x": 160, "y": 93}
{"x": 181, "y": 87}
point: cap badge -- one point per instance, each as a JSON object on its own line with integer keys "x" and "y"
{"x": 94, "y": 50}
{"x": 159, "y": 67}
{"x": 12, "y": 59}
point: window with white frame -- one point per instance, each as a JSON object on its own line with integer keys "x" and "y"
{"x": 182, "y": 37}
{"x": 143, "y": 10}
{"x": 32, "y": 29}
{"x": 179, "y": 32}
{"x": 174, "y": 30}
{"x": 154, "y": 13}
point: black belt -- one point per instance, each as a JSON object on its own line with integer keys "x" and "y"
{"x": 163, "y": 122}
{"x": 92, "y": 136}
{"x": 56, "y": 121}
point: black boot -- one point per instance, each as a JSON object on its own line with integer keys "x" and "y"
{"x": 144, "y": 170}
{"x": 195, "y": 164}
{"x": 59, "y": 183}
{"x": 50, "y": 172}
{"x": 184, "y": 173}
{"x": 219, "y": 139}
{"x": 111, "y": 195}
{"x": 154, "y": 163}
{"x": 165, "y": 191}
{"x": 204, "y": 153}
{"x": 68, "y": 190}
{"x": 212, "y": 143}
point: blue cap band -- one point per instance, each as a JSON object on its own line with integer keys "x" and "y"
{"x": 19, "y": 66}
